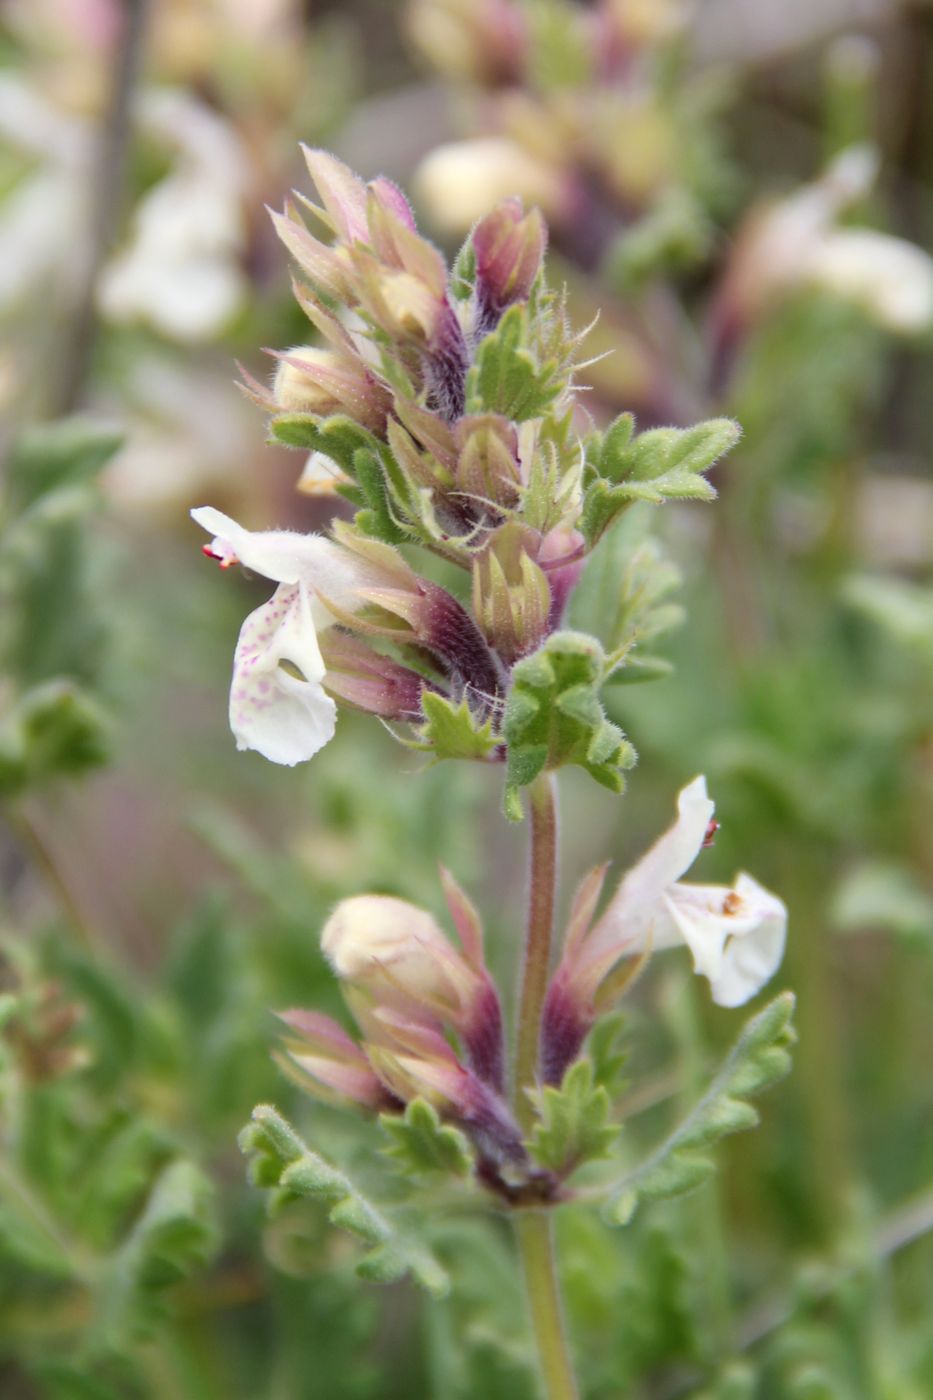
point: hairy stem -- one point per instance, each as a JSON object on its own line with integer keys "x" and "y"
{"x": 538, "y": 931}
{"x": 536, "y": 1247}
{"x": 533, "y": 1228}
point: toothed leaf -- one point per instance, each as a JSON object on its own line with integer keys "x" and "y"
{"x": 759, "y": 1059}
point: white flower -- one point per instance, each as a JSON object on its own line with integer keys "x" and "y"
{"x": 736, "y": 934}
{"x": 889, "y": 278}
{"x": 461, "y": 181}
{"x": 181, "y": 269}
{"x": 287, "y": 717}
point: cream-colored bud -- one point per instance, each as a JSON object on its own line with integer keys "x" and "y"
{"x": 304, "y": 382}
{"x": 397, "y": 953}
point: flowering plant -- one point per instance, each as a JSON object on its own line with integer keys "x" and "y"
{"x": 444, "y": 409}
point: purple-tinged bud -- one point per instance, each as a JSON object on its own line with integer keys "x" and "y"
{"x": 392, "y": 957}
{"x": 322, "y": 1058}
{"x": 343, "y": 194}
{"x": 390, "y": 197}
{"x": 509, "y": 247}
{"x": 415, "y": 1061}
{"x": 326, "y": 267}
{"x": 561, "y": 556}
{"x": 511, "y": 597}
{"x": 324, "y": 382}
{"x": 367, "y": 680}
{"x": 435, "y": 618}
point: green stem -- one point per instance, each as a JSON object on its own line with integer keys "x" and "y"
{"x": 533, "y": 1229}
{"x": 536, "y": 1247}
{"x": 537, "y": 954}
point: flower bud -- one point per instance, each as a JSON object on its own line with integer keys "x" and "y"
{"x": 482, "y": 41}
{"x": 511, "y": 597}
{"x": 321, "y": 1057}
{"x": 488, "y": 471}
{"x": 312, "y": 380}
{"x": 509, "y": 247}
{"x": 367, "y": 680}
{"x": 392, "y": 957}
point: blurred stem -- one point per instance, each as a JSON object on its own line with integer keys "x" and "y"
{"x": 538, "y": 931}
{"x": 536, "y": 1247}
{"x": 106, "y": 189}
{"x": 30, "y": 835}
{"x": 708, "y": 1217}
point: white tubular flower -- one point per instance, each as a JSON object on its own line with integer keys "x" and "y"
{"x": 736, "y": 934}
{"x": 889, "y": 278}
{"x": 286, "y": 717}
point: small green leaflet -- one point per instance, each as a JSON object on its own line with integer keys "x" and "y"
{"x": 451, "y": 731}
{"x": 655, "y": 466}
{"x": 420, "y": 1143}
{"x": 507, "y": 377}
{"x": 553, "y": 717}
{"x": 573, "y": 1121}
{"x": 760, "y": 1057}
{"x": 281, "y": 1162}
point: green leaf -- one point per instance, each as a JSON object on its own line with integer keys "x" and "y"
{"x": 452, "y": 731}
{"x": 573, "y": 1121}
{"x": 54, "y": 730}
{"x": 759, "y": 1059}
{"x": 659, "y": 465}
{"x": 337, "y": 437}
{"x": 376, "y": 519}
{"x": 553, "y": 717}
{"x": 624, "y": 595}
{"x": 507, "y": 376}
{"x": 175, "y": 1235}
{"x": 70, "y": 452}
{"x": 281, "y": 1162}
{"x": 603, "y": 1052}
{"x": 884, "y": 895}
{"x": 420, "y": 1143}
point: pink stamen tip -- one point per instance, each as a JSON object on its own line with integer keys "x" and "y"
{"x": 710, "y": 838}
{"x": 226, "y": 561}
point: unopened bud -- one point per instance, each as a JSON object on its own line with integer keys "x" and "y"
{"x": 488, "y": 471}
{"x": 397, "y": 953}
{"x": 511, "y": 596}
{"x": 369, "y": 681}
{"x": 312, "y": 380}
{"x": 394, "y": 960}
{"x": 509, "y": 247}
{"x": 321, "y": 1057}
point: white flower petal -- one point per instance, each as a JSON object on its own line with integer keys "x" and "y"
{"x": 636, "y": 911}
{"x": 890, "y": 278}
{"x": 736, "y": 935}
{"x": 286, "y": 556}
{"x": 286, "y": 718}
